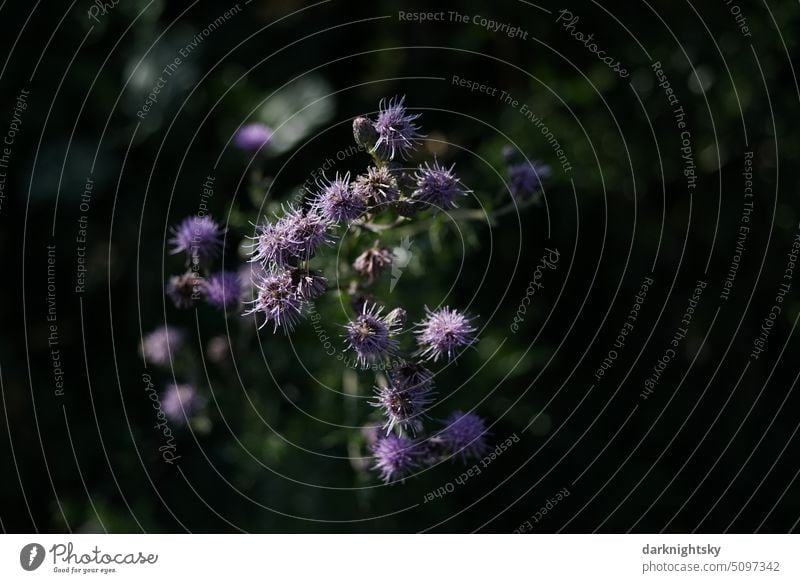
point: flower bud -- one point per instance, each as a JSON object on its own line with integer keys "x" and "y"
{"x": 364, "y": 132}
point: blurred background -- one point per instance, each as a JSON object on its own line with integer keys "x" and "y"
{"x": 96, "y": 175}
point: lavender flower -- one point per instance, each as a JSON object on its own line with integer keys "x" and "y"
{"x": 185, "y": 289}
{"x": 397, "y": 133}
{"x": 443, "y": 332}
{"x": 437, "y": 186}
{"x": 373, "y": 261}
{"x": 370, "y": 335}
{"x": 161, "y": 343}
{"x": 337, "y": 201}
{"x": 310, "y": 283}
{"x": 395, "y": 457}
{"x": 199, "y": 237}
{"x": 403, "y": 405}
{"x": 278, "y": 300}
{"x": 524, "y": 179}
{"x": 464, "y": 434}
{"x": 252, "y": 137}
{"x": 224, "y": 289}
{"x": 377, "y": 187}
{"x": 180, "y": 402}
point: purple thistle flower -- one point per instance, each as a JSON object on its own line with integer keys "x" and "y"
{"x": 443, "y": 332}
{"x": 224, "y": 289}
{"x": 179, "y": 402}
{"x": 464, "y": 434}
{"x": 310, "y": 283}
{"x": 161, "y": 343}
{"x": 524, "y": 179}
{"x": 273, "y": 244}
{"x": 278, "y": 300}
{"x": 252, "y": 137}
{"x": 403, "y": 405}
{"x": 370, "y": 335}
{"x": 306, "y": 231}
{"x": 377, "y": 186}
{"x": 395, "y": 457}
{"x": 199, "y": 237}
{"x": 185, "y": 289}
{"x": 437, "y": 186}
{"x": 337, "y": 201}
{"x": 397, "y": 133}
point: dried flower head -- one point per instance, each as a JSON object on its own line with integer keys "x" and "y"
{"x": 186, "y": 289}
{"x": 373, "y": 261}
{"x": 464, "y": 434}
{"x": 161, "y": 344}
{"x": 224, "y": 289}
{"x": 377, "y": 187}
{"x": 437, "y": 186}
{"x": 370, "y": 335}
{"x": 443, "y": 332}
{"x": 397, "y": 133}
{"x": 395, "y": 457}
{"x": 199, "y": 237}
{"x": 180, "y": 402}
{"x": 337, "y": 201}
{"x": 402, "y": 405}
{"x": 252, "y": 137}
{"x": 310, "y": 283}
{"x": 278, "y": 300}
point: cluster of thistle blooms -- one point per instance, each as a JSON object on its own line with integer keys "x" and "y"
{"x": 386, "y": 195}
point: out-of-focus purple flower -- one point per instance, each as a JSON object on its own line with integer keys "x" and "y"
{"x": 437, "y": 186}
{"x": 377, "y": 187}
{"x": 186, "y": 289}
{"x": 310, "y": 283}
{"x": 278, "y": 300}
{"x": 252, "y": 137}
{"x": 397, "y": 132}
{"x": 180, "y": 402}
{"x": 464, "y": 434}
{"x": 218, "y": 349}
{"x": 199, "y": 237}
{"x": 373, "y": 261}
{"x": 402, "y": 405}
{"x": 443, "y": 332}
{"x": 224, "y": 289}
{"x": 395, "y": 457}
{"x": 161, "y": 344}
{"x": 370, "y": 335}
{"x": 337, "y": 201}
{"x": 525, "y": 179}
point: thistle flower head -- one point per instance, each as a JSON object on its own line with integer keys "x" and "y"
{"x": 395, "y": 457}
{"x": 370, "y": 335}
{"x": 224, "y": 289}
{"x": 437, "y": 186}
{"x": 180, "y": 402}
{"x": 199, "y": 237}
{"x": 273, "y": 245}
{"x": 160, "y": 344}
{"x": 377, "y": 187}
{"x": 443, "y": 332}
{"x": 397, "y": 132}
{"x": 412, "y": 374}
{"x": 402, "y": 405}
{"x": 306, "y": 231}
{"x": 337, "y": 201}
{"x": 373, "y": 261}
{"x": 464, "y": 434}
{"x": 277, "y": 298}
{"x": 252, "y": 137}
{"x": 525, "y": 178}
{"x": 310, "y": 283}
{"x": 185, "y": 289}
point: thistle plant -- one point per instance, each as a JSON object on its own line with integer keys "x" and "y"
{"x": 286, "y": 275}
